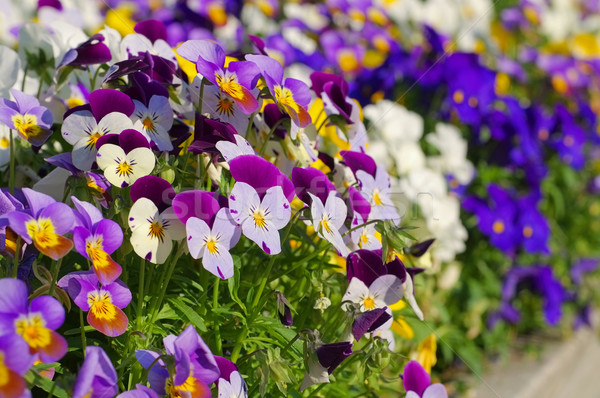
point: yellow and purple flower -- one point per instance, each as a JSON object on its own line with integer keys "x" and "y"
{"x": 102, "y": 302}
{"x": 25, "y": 115}
{"x": 15, "y": 361}
{"x": 43, "y": 224}
{"x": 35, "y": 322}
{"x": 96, "y": 238}
{"x": 97, "y": 377}
{"x": 417, "y": 383}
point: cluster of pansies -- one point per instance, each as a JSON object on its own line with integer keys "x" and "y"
{"x": 273, "y": 177}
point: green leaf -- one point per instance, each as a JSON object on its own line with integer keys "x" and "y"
{"x": 34, "y": 378}
{"x": 189, "y": 314}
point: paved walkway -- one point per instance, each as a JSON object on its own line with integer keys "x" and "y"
{"x": 568, "y": 370}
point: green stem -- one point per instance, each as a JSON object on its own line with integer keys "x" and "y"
{"x": 167, "y": 278}
{"x": 11, "y": 175}
{"x": 218, "y": 342}
{"x": 235, "y": 353}
{"x": 140, "y": 295}
{"x": 81, "y": 327}
{"x": 268, "y": 137}
{"x": 24, "y": 77}
{"x": 200, "y": 100}
{"x": 55, "y": 270}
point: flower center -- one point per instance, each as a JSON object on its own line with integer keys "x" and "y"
{"x": 259, "y": 218}
{"x": 4, "y": 372}
{"x": 93, "y": 138}
{"x": 124, "y": 169}
{"x": 101, "y": 305}
{"x": 225, "y": 106}
{"x": 498, "y": 227}
{"x": 364, "y": 238}
{"x": 157, "y": 230}
{"x": 4, "y": 143}
{"x": 458, "y": 97}
{"x": 211, "y": 245}
{"x": 148, "y": 123}
{"x": 325, "y": 224}
{"x": 527, "y": 231}
{"x": 42, "y": 232}
{"x": 229, "y": 85}
{"x": 26, "y": 125}
{"x": 369, "y": 303}
{"x": 33, "y": 330}
{"x": 95, "y": 251}
{"x": 376, "y": 198}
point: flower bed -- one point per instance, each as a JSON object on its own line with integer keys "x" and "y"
{"x": 329, "y": 198}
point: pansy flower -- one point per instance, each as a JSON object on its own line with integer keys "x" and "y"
{"x": 107, "y": 113}
{"x": 291, "y": 95}
{"x": 417, "y": 383}
{"x": 97, "y": 377}
{"x": 140, "y": 391}
{"x": 195, "y": 366}
{"x": 43, "y": 224}
{"x": 236, "y": 80}
{"x": 377, "y": 190}
{"x": 25, "y": 115}
{"x": 153, "y": 222}
{"x": 35, "y": 322}
{"x": 211, "y": 237}
{"x": 155, "y": 120}
{"x": 231, "y": 384}
{"x": 261, "y": 219}
{"x": 96, "y": 239}
{"x": 322, "y": 360}
{"x": 364, "y": 236}
{"x": 229, "y": 150}
{"x": 125, "y": 163}
{"x": 328, "y": 218}
{"x": 103, "y": 303}
{"x": 90, "y": 52}
{"x": 15, "y": 361}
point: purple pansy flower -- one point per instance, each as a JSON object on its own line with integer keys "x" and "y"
{"x": 291, "y": 95}
{"x": 260, "y": 174}
{"x": 230, "y": 383}
{"x": 154, "y": 120}
{"x": 96, "y": 239}
{"x": 15, "y": 361}
{"x": 140, "y": 391}
{"x": 417, "y": 383}
{"x": 43, "y": 224}
{"x": 103, "y": 303}
{"x": 370, "y": 321}
{"x": 125, "y": 163}
{"x": 34, "y": 322}
{"x": 97, "y": 377}
{"x": 236, "y": 80}
{"x": 92, "y": 51}
{"x": 195, "y": 366}
{"x": 31, "y": 121}
{"x": 322, "y": 361}
{"x": 107, "y": 113}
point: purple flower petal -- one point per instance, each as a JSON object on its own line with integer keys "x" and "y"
{"x": 332, "y": 355}
{"x": 120, "y": 293}
{"x": 226, "y": 367}
{"x": 415, "y": 378}
{"x": 51, "y": 309}
{"x": 158, "y": 190}
{"x": 13, "y": 299}
{"x": 199, "y": 204}
{"x": 310, "y": 180}
{"x": 37, "y": 201}
{"x": 106, "y": 100}
{"x": 152, "y": 29}
{"x": 112, "y": 235}
{"x": 365, "y": 265}
{"x": 131, "y": 139}
{"x": 16, "y": 353}
{"x": 260, "y": 175}
{"x": 369, "y": 321}
{"x": 61, "y": 215}
{"x": 97, "y": 374}
{"x": 359, "y": 161}
{"x": 358, "y": 203}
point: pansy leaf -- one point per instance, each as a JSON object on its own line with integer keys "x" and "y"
{"x": 189, "y": 314}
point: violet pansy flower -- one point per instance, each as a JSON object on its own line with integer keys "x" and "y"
{"x": 103, "y": 303}
{"x": 97, "y": 377}
{"x": 230, "y": 383}
{"x": 107, "y": 113}
{"x": 125, "y": 163}
{"x": 25, "y": 115}
{"x": 35, "y": 322}
{"x": 15, "y": 361}
{"x": 90, "y": 52}
{"x": 260, "y": 174}
{"x": 140, "y": 391}
{"x": 417, "y": 383}
{"x": 155, "y": 120}
{"x": 236, "y": 80}
{"x": 43, "y": 224}
{"x": 96, "y": 239}
{"x": 291, "y": 95}
{"x": 195, "y": 366}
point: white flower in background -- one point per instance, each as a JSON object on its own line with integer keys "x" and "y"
{"x": 446, "y": 227}
{"x": 395, "y": 123}
{"x": 4, "y": 144}
{"x": 453, "y": 148}
{"x": 10, "y": 66}
{"x": 408, "y": 157}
